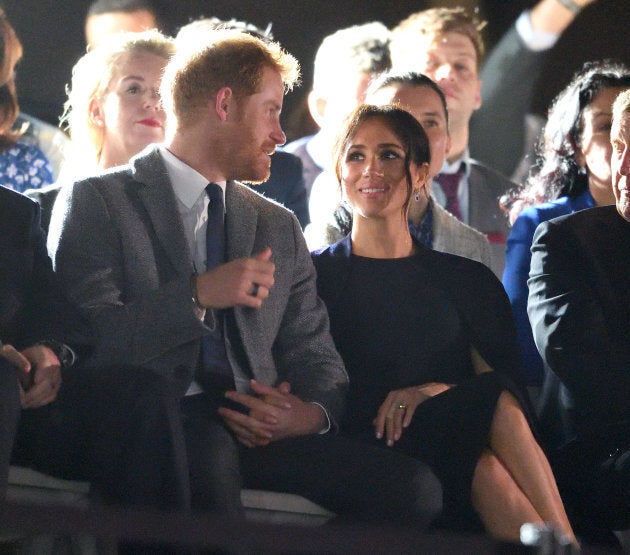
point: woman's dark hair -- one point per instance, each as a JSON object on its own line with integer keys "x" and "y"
{"x": 401, "y": 123}
{"x": 408, "y": 79}
{"x": 557, "y": 172}
{"x": 10, "y": 53}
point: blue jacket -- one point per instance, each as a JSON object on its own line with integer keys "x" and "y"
{"x": 517, "y": 261}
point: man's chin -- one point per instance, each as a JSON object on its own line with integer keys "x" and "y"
{"x": 623, "y": 205}
{"x": 256, "y": 180}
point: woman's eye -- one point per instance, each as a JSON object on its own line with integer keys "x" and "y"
{"x": 389, "y": 155}
{"x": 354, "y": 156}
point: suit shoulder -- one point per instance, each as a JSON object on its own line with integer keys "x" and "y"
{"x": 9, "y": 197}
{"x": 457, "y": 267}
{"x": 263, "y": 205}
{"x": 445, "y": 219}
{"x": 490, "y": 176}
{"x": 589, "y": 222}
{"x": 17, "y": 211}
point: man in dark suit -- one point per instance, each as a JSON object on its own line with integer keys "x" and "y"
{"x": 446, "y": 45}
{"x": 32, "y": 356}
{"x": 204, "y": 293}
{"x": 579, "y": 308}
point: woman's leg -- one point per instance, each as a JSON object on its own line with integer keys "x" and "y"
{"x": 513, "y": 443}
{"x": 500, "y": 503}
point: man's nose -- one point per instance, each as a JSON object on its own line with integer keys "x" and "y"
{"x": 444, "y": 72}
{"x": 279, "y": 136}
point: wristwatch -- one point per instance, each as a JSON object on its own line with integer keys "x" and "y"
{"x": 65, "y": 354}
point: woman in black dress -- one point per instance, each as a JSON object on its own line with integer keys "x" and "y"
{"x": 428, "y": 340}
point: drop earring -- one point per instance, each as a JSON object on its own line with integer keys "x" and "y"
{"x": 416, "y": 196}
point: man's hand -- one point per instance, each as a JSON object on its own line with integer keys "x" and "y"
{"x": 396, "y": 412}
{"x": 242, "y": 282}
{"x": 41, "y": 361}
{"x": 274, "y": 413}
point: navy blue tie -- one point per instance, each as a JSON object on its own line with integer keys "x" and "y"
{"x": 215, "y": 243}
{"x": 216, "y": 374}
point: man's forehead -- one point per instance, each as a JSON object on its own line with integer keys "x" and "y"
{"x": 271, "y": 88}
{"x": 621, "y": 128}
{"x": 451, "y": 42}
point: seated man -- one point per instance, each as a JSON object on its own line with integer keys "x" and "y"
{"x": 213, "y": 367}
{"x": 32, "y": 357}
{"x": 286, "y": 180}
{"x": 579, "y": 309}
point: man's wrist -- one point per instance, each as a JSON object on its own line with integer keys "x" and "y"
{"x": 570, "y": 5}
{"x": 198, "y": 308}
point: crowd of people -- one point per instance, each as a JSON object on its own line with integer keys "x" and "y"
{"x": 368, "y": 317}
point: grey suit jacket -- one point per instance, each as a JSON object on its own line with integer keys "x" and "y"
{"x": 485, "y": 187}
{"x": 455, "y": 237}
{"x": 118, "y": 244}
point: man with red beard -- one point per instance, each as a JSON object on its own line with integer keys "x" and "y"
{"x": 213, "y": 367}
{"x": 579, "y": 309}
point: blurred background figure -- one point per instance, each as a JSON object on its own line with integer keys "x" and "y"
{"x": 345, "y": 63}
{"x": 107, "y": 17}
{"x": 22, "y": 165}
{"x": 113, "y": 109}
{"x": 504, "y": 130}
{"x": 572, "y": 173}
{"x": 446, "y": 45}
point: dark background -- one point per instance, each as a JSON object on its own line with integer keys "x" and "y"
{"x": 52, "y": 34}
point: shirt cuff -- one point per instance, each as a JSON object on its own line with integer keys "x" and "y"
{"x": 532, "y": 38}
{"x": 328, "y": 426}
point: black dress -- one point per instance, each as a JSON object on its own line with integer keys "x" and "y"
{"x": 406, "y": 322}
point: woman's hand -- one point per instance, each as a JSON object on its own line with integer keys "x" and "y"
{"x": 398, "y": 408}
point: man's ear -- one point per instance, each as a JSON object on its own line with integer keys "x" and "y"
{"x": 224, "y": 102}
{"x": 478, "y": 99}
{"x": 317, "y": 107}
{"x": 95, "y": 112}
{"x": 449, "y": 143}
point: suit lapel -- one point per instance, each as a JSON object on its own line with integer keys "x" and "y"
{"x": 161, "y": 204}
{"x": 241, "y": 222}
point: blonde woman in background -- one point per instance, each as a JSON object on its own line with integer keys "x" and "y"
{"x": 113, "y": 108}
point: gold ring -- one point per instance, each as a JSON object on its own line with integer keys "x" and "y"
{"x": 402, "y": 406}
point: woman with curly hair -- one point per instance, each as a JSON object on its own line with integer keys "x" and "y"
{"x": 572, "y": 173}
